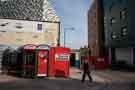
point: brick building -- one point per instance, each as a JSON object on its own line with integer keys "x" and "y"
{"x": 95, "y": 29}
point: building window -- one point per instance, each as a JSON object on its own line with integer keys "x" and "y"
{"x": 39, "y": 27}
{"x": 4, "y": 24}
{"x": 113, "y": 20}
{"x": 113, "y": 35}
{"x": 120, "y": 1}
{"x": 111, "y": 6}
{"x": 3, "y": 31}
{"x": 19, "y": 32}
{"x": 19, "y": 39}
{"x": 124, "y": 31}
{"x": 123, "y": 14}
{"x": 19, "y": 25}
{"x": 35, "y": 36}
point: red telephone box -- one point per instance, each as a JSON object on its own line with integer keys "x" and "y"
{"x": 59, "y": 61}
{"x": 42, "y": 60}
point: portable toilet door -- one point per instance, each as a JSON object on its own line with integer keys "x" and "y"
{"x": 62, "y": 62}
{"x": 77, "y": 60}
{"x": 29, "y": 59}
{"x": 42, "y": 62}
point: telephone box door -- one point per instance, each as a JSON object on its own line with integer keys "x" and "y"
{"x": 42, "y": 62}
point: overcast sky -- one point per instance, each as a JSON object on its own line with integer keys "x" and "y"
{"x": 73, "y": 13}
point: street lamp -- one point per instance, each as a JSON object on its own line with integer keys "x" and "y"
{"x": 67, "y": 29}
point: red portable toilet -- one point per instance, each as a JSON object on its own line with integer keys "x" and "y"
{"x": 42, "y": 62}
{"x": 28, "y": 60}
{"x": 60, "y": 63}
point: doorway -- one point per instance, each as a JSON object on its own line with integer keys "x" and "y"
{"x": 72, "y": 60}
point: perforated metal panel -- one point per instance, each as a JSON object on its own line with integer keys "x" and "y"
{"x": 39, "y": 10}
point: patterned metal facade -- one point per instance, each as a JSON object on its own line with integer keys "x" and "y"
{"x": 38, "y": 10}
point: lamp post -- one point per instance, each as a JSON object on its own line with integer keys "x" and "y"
{"x": 66, "y": 29}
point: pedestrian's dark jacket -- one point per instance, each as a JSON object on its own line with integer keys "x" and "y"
{"x": 86, "y": 67}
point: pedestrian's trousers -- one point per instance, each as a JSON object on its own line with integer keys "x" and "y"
{"x": 84, "y": 75}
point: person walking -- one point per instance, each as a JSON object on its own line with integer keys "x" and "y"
{"x": 86, "y": 71}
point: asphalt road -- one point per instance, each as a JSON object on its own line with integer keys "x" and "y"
{"x": 60, "y": 84}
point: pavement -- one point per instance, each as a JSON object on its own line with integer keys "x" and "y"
{"x": 77, "y": 74}
{"x": 99, "y": 76}
{"x": 7, "y": 78}
{"x": 103, "y": 80}
{"x": 105, "y": 76}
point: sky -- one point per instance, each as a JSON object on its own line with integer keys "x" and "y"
{"x": 72, "y": 14}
